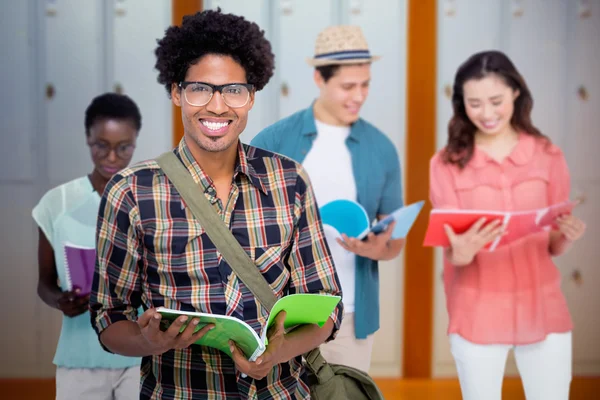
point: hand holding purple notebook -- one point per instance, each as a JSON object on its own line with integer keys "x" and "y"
{"x": 80, "y": 263}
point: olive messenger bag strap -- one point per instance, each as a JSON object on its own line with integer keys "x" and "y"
{"x": 228, "y": 246}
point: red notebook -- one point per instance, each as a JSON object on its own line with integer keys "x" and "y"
{"x": 459, "y": 220}
{"x": 517, "y": 224}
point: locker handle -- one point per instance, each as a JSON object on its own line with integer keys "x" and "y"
{"x": 580, "y": 198}
{"x": 449, "y": 8}
{"x": 355, "y": 7}
{"x": 50, "y": 91}
{"x": 448, "y": 91}
{"x": 583, "y": 93}
{"x": 118, "y": 88}
{"x": 577, "y": 278}
{"x": 286, "y": 7}
{"x": 585, "y": 9}
{"x": 517, "y": 8}
{"x": 285, "y": 89}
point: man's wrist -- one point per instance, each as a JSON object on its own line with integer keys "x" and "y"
{"x": 125, "y": 337}
{"x": 389, "y": 253}
{"x": 286, "y": 351}
{"x": 148, "y": 347}
{"x": 391, "y": 250}
{"x": 381, "y": 254}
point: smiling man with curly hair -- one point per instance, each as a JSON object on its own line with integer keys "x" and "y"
{"x": 152, "y": 252}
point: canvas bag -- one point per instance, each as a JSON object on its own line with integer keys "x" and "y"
{"x": 326, "y": 381}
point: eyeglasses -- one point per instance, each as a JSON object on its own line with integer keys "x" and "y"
{"x": 198, "y": 94}
{"x": 102, "y": 150}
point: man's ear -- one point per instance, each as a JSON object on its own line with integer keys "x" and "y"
{"x": 318, "y": 78}
{"x": 251, "y": 100}
{"x": 176, "y": 94}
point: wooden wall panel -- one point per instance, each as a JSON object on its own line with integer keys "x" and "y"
{"x": 420, "y": 147}
{"x": 180, "y": 9}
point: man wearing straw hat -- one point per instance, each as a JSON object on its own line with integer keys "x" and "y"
{"x": 346, "y": 158}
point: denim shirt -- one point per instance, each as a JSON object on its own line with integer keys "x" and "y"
{"x": 376, "y": 170}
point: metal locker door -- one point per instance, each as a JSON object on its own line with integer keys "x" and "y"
{"x": 579, "y": 267}
{"x": 464, "y": 28}
{"x": 297, "y": 24}
{"x": 534, "y": 38}
{"x": 135, "y": 27}
{"x": 19, "y": 191}
{"x": 72, "y": 44}
{"x": 74, "y": 54}
{"x": 386, "y": 34}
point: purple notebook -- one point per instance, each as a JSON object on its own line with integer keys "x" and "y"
{"x": 80, "y": 263}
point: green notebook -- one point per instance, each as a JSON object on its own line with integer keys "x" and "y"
{"x": 300, "y": 308}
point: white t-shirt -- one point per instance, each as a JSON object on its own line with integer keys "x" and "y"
{"x": 329, "y": 166}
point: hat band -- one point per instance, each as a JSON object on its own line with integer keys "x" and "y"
{"x": 345, "y": 55}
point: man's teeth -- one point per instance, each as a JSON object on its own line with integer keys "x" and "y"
{"x": 214, "y": 125}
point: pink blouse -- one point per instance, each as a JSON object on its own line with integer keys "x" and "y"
{"x": 511, "y": 295}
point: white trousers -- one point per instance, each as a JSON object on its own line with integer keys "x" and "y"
{"x": 346, "y": 349}
{"x": 97, "y": 384}
{"x": 545, "y": 367}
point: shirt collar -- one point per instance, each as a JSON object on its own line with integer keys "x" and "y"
{"x": 246, "y": 168}
{"x": 242, "y": 166}
{"x": 520, "y": 155}
{"x": 310, "y": 129}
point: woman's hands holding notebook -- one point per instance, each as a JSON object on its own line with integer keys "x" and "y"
{"x": 464, "y": 246}
{"x": 72, "y": 304}
{"x": 571, "y": 227}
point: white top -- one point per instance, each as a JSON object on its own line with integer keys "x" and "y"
{"x": 329, "y": 166}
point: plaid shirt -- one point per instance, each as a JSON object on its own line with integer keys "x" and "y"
{"x": 152, "y": 252}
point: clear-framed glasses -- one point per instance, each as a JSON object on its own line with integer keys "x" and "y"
{"x": 103, "y": 149}
{"x": 198, "y": 94}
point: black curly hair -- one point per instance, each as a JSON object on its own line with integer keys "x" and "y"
{"x": 112, "y": 106}
{"x": 213, "y": 32}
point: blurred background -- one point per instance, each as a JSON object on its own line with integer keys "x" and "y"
{"x": 59, "y": 54}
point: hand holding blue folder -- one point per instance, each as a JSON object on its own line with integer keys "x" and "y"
{"x": 350, "y": 218}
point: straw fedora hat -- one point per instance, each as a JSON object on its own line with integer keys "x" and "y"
{"x": 341, "y": 44}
